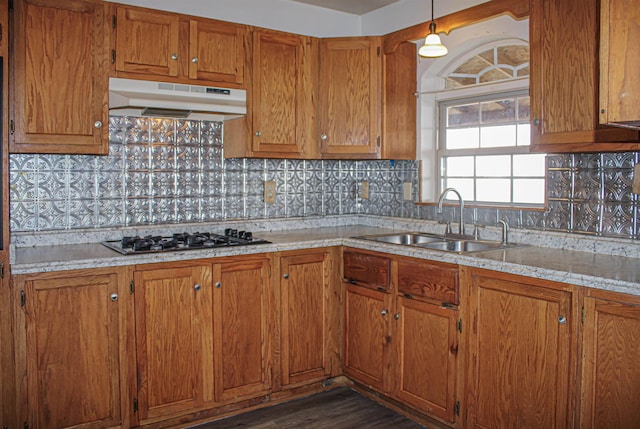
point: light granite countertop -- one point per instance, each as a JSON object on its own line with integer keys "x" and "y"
{"x": 607, "y": 271}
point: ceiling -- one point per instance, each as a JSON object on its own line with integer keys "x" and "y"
{"x": 356, "y": 7}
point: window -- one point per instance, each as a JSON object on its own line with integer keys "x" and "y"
{"x": 484, "y": 150}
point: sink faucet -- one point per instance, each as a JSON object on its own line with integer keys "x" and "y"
{"x": 505, "y": 231}
{"x": 441, "y": 200}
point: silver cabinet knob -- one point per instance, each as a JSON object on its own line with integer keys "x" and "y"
{"x": 258, "y": 133}
{"x": 536, "y": 122}
{"x": 396, "y": 316}
{"x": 97, "y": 124}
{"x": 114, "y": 297}
{"x": 562, "y": 320}
{"x": 197, "y": 286}
{"x": 174, "y": 56}
{"x": 384, "y": 312}
{"x": 218, "y": 285}
{"x": 194, "y": 59}
{"x": 286, "y": 276}
{"x": 323, "y": 137}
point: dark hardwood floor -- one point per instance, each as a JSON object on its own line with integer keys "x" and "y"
{"x": 340, "y": 408}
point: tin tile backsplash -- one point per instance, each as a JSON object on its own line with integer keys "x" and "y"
{"x": 173, "y": 171}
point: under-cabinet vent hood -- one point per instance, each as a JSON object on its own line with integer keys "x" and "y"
{"x": 162, "y": 99}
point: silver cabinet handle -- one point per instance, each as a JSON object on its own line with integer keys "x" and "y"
{"x": 97, "y": 124}
{"x": 323, "y": 137}
{"x": 174, "y": 56}
{"x": 286, "y": 276}
{"x": 384, "y": 312}
{"x": 194, "y": 59}
{"x": 536, "y": 122}
{"x": 197, "y": 286}
{"x": 562, "y": 320}
{"x": 258, "y": 133}
{"x": 218, "y": 285}
{"x": 114, "y": 297}
{"x": 396, "y": 316}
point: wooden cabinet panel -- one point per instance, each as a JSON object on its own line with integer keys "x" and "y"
{"x": 521, "y": 344}
{"x": 173, "y": 317}
{"x": 59, "y": 80}
{"x": 619, "y": 62}
{"x": 305, "y": 296}
{"x": 564, "y": 80}
{"x": 241, "y": 302}
{"x": 367, "y": 270}
{"x": 366, "y": 338}
{"x": 283, "y": 95}
{"x": 147, "y": 42}
{"x": 349, "y": 98}
{"x": 70, "y": 338}
{"x": 427, "y": 279}
{"x": 216, "y": 51}
{"x": 427, "y": 345}
{"x": 610, "y": 366}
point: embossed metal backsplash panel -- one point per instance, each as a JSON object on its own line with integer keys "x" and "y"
{"x": 173, "y": 171}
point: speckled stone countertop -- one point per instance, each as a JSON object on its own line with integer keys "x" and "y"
{"x": 608, "y": 269}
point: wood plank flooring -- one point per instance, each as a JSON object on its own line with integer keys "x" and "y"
{"x": 340, "y": 408}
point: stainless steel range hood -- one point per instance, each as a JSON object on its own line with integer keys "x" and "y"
{"x": 140, "y": 97}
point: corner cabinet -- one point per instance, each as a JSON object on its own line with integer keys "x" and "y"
{"x": 619, "y": 63}
{"x": 521, "y": 351}
{"x": 564, "y": 80}
{"x": 59, "y": 77}
{"x": 349, "y": 97}
{"x": 71, "y": 347}
{"x": 610, "y": 366}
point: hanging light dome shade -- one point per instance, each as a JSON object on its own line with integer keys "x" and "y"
{"x": 432, "y": 47}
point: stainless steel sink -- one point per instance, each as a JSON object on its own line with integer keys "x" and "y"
{"x": 438, "y": 242}
{"x": 407, "y": 239}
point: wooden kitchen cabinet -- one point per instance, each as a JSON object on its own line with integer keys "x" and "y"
{"x": 619, "y": 63}
{"x": 349, "y": 105}
{"x": 174, "y": 352}
{"x": 242, "y": 323}
{"x": 72, "y": 347}
{"x": 309, "y": 316}
{"x": 165, "y": 46}
{"x": 59, "y": 77}
{"x": 284, "y": 93}
{"x": 521, "y": 340}
{"x": 610, "y": 366}
{"x": 564, "y": 81}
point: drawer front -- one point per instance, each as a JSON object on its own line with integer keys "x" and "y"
{"x": 367, "y": 270}
{"x": 429, "y": 280}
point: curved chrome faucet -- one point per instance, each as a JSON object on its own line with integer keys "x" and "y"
{"x": 441, "y": 200}
{"x": 505, "y": 231}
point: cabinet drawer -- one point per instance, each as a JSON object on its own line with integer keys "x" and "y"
{"x": 367, "y": 270}
{"x": 429, "y": 280}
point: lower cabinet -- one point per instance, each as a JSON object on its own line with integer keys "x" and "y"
{"x": 522, "y": 346}
{"x": 309, "y": 292}
{"x": 71, "y": 349}
{"x": 610, "y": 364}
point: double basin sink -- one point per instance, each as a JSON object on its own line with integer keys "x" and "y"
{"x": 439, "y": 242}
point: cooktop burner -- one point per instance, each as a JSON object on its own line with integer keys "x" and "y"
{"x": 183, "y": 241}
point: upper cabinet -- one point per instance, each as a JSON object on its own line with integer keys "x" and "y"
{"x": 282, "y": 119}
{"x": 564, "y": 80}
{"x": 166, "y": 46}
{"x": 619, "y": 63}
{"x": 59, "y": 77}
{"x": 349, "y": 98}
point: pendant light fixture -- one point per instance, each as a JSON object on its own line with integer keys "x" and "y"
{"x": 432, "y": 47}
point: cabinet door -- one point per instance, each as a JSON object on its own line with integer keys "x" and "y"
{"x": 173, "y": 343}
{"x": 283, "y": 95}
{"x": 610, "y": 365}
{"x": 69, "y": 343}
{"x": 305, "y": 287}
{"x": 59, "y": 80}
{"x": 521, "y": 352}
{"x": 216, "y": 51}
{"x": 241, "y": 318}
{"x": 147, "y": 42}
{"x": 367, "y": 336}
{"x": 564, "y": 80}
{"x": 349, "y": 99}
{"x": 619, "y": 62}
{"x": 427, "y": 347}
